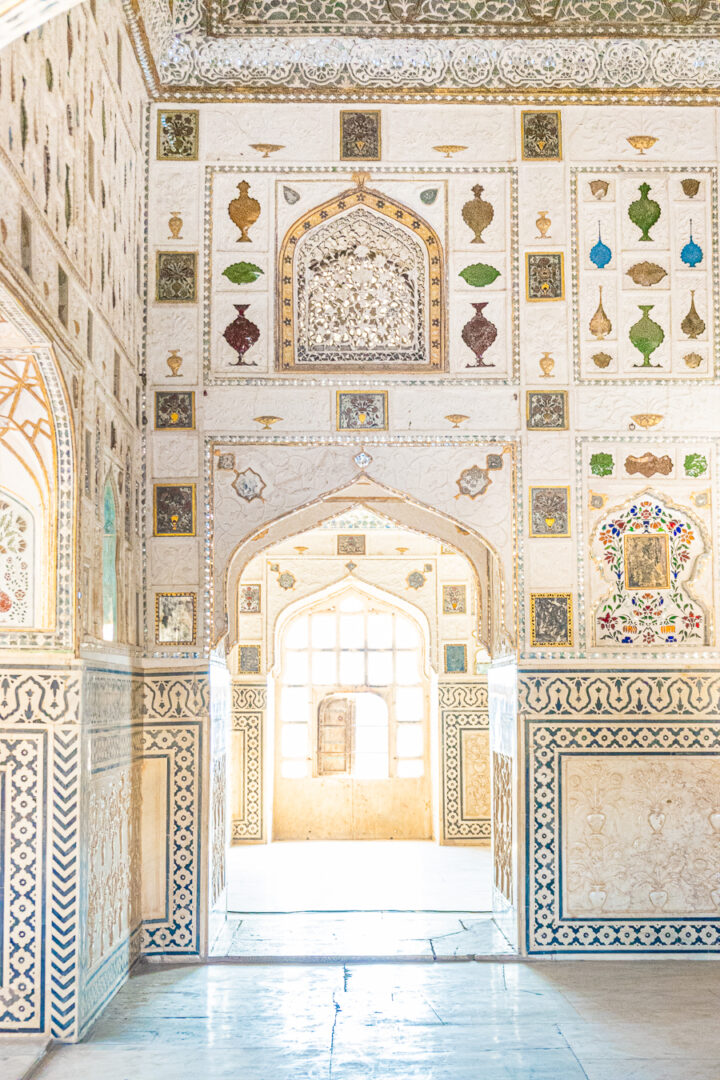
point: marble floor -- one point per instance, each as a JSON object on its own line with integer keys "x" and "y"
{"x": 361, "y": 935}
{"x": 358, "y": 875}
{"x": 582, "y": 1020}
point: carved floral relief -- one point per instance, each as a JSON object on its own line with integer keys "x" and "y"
{"x": 641, "y": 834}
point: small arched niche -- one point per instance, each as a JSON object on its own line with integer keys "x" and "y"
{"x": 361, "y": 287}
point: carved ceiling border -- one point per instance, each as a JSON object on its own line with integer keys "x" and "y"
{"x": 523, "y": 67}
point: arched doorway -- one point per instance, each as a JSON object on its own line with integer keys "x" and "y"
{"x": 457, "y": 712}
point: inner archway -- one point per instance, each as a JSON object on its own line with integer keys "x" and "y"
{"x": 358, "y": 657}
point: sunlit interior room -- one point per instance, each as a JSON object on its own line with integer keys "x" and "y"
{"x": 359, "y": 655}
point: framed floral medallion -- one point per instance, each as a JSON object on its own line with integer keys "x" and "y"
{"x": 361, "y": 410}
{"x": 454, "y": 599}
{"x": 176, "y": 277}
{"x": 249, "y": 600}
{"x": 174, "y": 509}
{"x": 547, "y": 410}
{"x": 544, "y": 276}
{"x": 360, "y": 135}
{"x": 351, "y": 544}
{"x": 549, "y": 511}
{"x": 177, "y": 134}
{"x": 175, "y": 409}
{"x": 541, "y": 135}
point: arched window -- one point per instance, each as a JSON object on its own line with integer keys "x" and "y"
{"x": 109, "y": 564}
{"x": 361, "y": 287}
{"x": 352, "y": 691}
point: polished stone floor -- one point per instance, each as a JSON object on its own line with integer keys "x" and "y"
{"x": 358, "y": 875}
{"x": 582, "y": 1020}
{"x": 377, "y": 935}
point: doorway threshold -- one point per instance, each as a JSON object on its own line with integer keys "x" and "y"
{"x": 344, "y": 936}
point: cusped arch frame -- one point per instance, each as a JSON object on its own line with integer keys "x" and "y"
{"x": 57, "y": 629}
{"x": 398, "y": 214}
{"x": 494, "y": 633}
{"x": 693, "y": 567}
{"x": 333, "y": 591}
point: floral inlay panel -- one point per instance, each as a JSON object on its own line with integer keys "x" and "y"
{"x": 648, "y": 550}
{"x": 361, "y": 286}
{"x": 16, "y": 563}
{"x": 641, "y": 835}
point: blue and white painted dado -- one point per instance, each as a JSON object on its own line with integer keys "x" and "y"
{"x": 78, "y": 747}
{"x": 622, "y": 810}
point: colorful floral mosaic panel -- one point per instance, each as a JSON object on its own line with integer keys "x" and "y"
{"x": 16, "y": 564}
{"x": 648, "y": 551}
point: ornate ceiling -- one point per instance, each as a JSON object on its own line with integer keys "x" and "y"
{"x": 408, "y": 49}
{"x": 404, "y": 49}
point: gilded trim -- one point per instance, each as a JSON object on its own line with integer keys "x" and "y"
{"x": 568, "y": 642}
{"x": 546, "y": 487}
{"x": 194, "y": 508}
{"x": 398, "y": 214}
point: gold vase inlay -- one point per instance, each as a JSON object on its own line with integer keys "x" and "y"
{"x": 174, "y": 362}
{"x": 244, "y": 211}
{"x": 175, "y": 224}
{"x": 600, "y": 325}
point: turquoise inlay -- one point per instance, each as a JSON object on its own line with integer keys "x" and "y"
{"x": 600, "y": 254}
{"x": 692, "y": 253}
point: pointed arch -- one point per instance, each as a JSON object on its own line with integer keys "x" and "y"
{"x": 361, "y": 287}
{"x": 494, "y": 633}
{"x": 37, "y": 467}
{"x": 334, "y": 592}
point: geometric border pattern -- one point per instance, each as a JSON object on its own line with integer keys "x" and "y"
{"x": 180, "y": 744}
{"x": 23, "y": 801}
{"x": 248, "y": 714}
{"x": 463, "y": 707}
{"x": 64, "y": 869}
{"x": 547, "y": 929}
{"x": 633, "y": 691}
